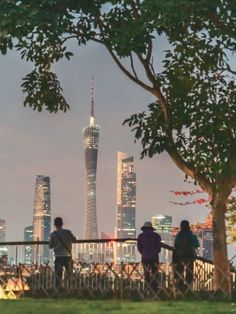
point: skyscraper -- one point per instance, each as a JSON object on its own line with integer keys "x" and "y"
{"x": 2, "y": 230}
{"x": 125, "y": 205}
{"x": 42, "y": 218}
{"x": 91, "y": 140}
{"x": 28, "y": 236}
{"x": 3, "y": 249}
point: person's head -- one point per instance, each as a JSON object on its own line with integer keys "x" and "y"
{"x": 184, "y": 225}
{"x": 147, "y": 226}
{"x": 58, "y": 222}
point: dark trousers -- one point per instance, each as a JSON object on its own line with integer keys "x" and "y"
{"x": 150, "y": 268}
{"x": 180, "y": 267}
{"x": 60, "y": 262}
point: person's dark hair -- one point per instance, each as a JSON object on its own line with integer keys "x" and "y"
{"x": 58, "y": 222}
{"x": 184, "y": 225}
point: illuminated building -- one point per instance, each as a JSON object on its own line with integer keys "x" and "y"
{"x": 91, "y": 140}
{"x": 162, "y": 223}
{"x": 108, "y": 249}
{"x": 163, "y": 226}
{"x": 205, "y": 237}
{"x": 206, "y": 241}
{"x": 28, "y": 236}
{"x": 41, "y": 218}
{"x": 125, "y": 207}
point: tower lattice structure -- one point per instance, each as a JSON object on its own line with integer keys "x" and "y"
{"x": 91, "y": 140}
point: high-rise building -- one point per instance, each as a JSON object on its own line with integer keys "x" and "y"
{"x": 42, "y": 218}
{"x": 2, "y": 230}
{"x": 3, "y": 249}
{"x": 125, "y": 206}
{"x": 28, "y": 236}
{"x": 163, "y": 225}
{"x": 205, "y": 237}
{"x": 91, "y": 140}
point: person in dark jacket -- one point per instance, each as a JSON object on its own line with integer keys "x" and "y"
{"x": 149, "y": 246}
{"x": 184, "y": 255}
{"x": 61, "y": 242}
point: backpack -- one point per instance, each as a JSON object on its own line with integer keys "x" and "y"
{"x": 185, "y": 246}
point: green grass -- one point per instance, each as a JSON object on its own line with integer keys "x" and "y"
{"x": 71, "y": 306}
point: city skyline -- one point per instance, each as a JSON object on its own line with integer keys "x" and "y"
{"x": 35, "y": 142}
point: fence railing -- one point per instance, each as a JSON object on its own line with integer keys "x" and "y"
{"x": 103, "y": 269}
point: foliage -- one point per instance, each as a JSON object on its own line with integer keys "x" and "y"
{"x": 194, "y": 117}
{"x": 204, "y": 127}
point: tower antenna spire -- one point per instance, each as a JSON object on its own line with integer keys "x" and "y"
{"x": 92, "y": 104}
{"x": 92, "y": 98}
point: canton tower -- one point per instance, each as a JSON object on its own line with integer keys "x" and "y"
{"x": 91, "y": 139}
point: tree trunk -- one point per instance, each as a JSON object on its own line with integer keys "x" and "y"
{"x": 220, "y": 256}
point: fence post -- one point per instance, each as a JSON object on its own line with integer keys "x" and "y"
{"x": 173, "y": 280}
{"x": 22, "y": 283}
{"x": 122, "y": 282}
{"x": 16, "y": 254}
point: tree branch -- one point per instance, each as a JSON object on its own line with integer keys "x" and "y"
{"x": 189, "y": 170}
{"x": 132, "y": 65}
{"x": 228, "y": 68}
{"x": 152, "y": 67}
{"x": 149, "y": 52}
{"x": 127, "y": 73}
{"x": 147, "y": 69}
{"x": 69, "y": 37}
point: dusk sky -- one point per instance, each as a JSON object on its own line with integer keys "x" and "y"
{"x": 35, "y": 143}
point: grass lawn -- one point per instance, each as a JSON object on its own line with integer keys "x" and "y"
{"x": 71, "y": 306}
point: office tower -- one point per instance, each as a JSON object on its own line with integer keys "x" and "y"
{"x": 163, "y": 225}
{"x": 206, "y": 243}
{"x": 125, "y": 206}
{"x": 28, "y": 236}
{"x": 91, "y": 139}
{"x": 41, "y": 218}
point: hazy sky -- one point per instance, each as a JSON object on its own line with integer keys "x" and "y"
{"x": 35, "y": 143}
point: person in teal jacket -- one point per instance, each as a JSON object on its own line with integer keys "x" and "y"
{"x": 184, "y": 254}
